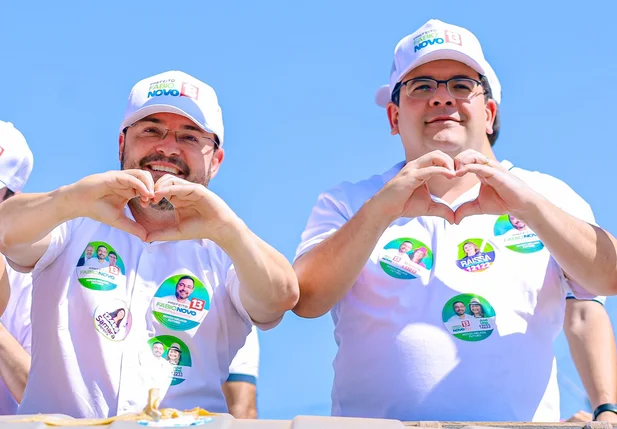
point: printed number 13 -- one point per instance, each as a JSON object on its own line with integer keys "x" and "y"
{"x": 197, "y": 304}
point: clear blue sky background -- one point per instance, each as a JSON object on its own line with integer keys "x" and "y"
{"x": 296, "y": 81}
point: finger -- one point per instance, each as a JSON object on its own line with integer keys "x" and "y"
{"x": 169, "y": 234}
{"x": 129, "y": 181}
{"x": 482, "y": 171}
{"x": 169, "y": 179}
{"x": 127, "y": 225}
{"x": 423, "y": 174}
{"x": 441, "y": 210}
{"x": 469, "y": 208}
{"x": 144, "y": 176}
{"x": 435, "y": 157}
{"x": 190, "y": 192}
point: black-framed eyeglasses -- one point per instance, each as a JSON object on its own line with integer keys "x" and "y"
{"x": 461, "y": 88}
{"x": 153, "y": 132}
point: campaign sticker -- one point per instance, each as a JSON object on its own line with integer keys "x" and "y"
{"x": 169, "y": 355}
{"x": 406, "y": 258}
{"x": 469, "y": 317}
{"x": 516, "y": 235}
{"x": 113, "y": 320}
{"x": 100, "y": 267}
{"x": 475, "y": 255}
{"x": 181, "y": 302}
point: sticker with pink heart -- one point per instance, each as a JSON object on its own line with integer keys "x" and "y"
{"x": 406, "y": 258}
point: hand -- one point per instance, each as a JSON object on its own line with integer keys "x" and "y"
{"x": 200, "y": 213}
{"x": 407, "y": 194}
{"x": 104, "y": 196}
{"x": 500, "y": 191}
{"x": 582, "y": 416}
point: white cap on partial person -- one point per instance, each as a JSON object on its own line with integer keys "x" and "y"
{"x": 176, "y": 92}
{"x": 437, "y": 40}
{"x": 16, "y": 159}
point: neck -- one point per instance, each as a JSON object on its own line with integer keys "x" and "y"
{"x": 151, "y": 219}
{"x": 451, "y": 189}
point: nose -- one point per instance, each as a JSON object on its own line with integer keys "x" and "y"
{"x": 169, "y": 145}
{"x": 442, "y": 97}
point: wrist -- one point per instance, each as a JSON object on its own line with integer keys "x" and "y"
{"x": 67, "y": 204}
{"x": 377, "y": 214}
{"x": 533, "y": 211}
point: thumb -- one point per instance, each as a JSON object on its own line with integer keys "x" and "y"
{"x": 125, "y": 224}
{"x": 441, "y": 210}
{"x": 165, "y": 234}
{"x": 469, "y": 208}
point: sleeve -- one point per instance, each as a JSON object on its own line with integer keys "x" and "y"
{"x": 329, "y": 214}
{"x": 245, "y": 365}
{"x": 60, "y": 237}
{"x": 598, "y": 299}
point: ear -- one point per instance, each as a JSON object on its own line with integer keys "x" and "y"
{"x": 120, "y": 146}
{"x": 490, "y": 110}
{"x": 393, "y": 111}
{"x": 217, "y": 160}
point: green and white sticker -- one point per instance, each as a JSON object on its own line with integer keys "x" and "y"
{"x": 170, "y": 355}
{"x": 406, "y": 258}
{"x": 181, "y": 302}
{"x": 100, "y": 267}
{"x": 469, "y": 317}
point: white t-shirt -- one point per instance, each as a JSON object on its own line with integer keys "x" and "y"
{"x": 93, "y": 332}
{"x": 16, "y": 319}
{"x": 399, "y": 355}
{"x": 245, "y": 365}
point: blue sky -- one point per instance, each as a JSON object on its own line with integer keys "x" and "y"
{"x": 296, "y": 81}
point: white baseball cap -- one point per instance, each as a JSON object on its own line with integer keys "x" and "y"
{"x": 16, "y": 160}
{"x": 437, "y": 40}
{"x": 179, "y": 93}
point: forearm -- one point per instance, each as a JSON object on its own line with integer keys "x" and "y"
{"x": 588, "y": 254}
{"x": 329, "y": 270}
{"x": 14, "y": 364}
{"x": 269, "y": 286}
{"x": 241, "y": 399}
{"x": 28, "y": 219}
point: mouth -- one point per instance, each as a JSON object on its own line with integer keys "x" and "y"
{"x": 442, "y": 120}
{"x": 163, "y": 169}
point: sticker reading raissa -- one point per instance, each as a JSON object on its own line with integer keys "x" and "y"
{"x": 406, "y": 258}
{"x": 181, "y": 302}
{"x": 516, "y": 235}
{"x": 100, "y": 267}
{"x": 113, "y": 319}
{"x": 170, "y": 355}
{"x": 475, "y": 255}
{"x": 469, "y": 317}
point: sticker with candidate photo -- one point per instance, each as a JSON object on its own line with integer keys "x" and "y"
{"x": 406, "y": 258}
{"x": 169, "y": 356}
{"x": 516, "y": 235}
{"x": 100, "y": 267}
{"x": 112, "y": 319}
{"x": 475, "y": 255}
{"x": 181, "y": 302}
{"x": 469, "y": 317}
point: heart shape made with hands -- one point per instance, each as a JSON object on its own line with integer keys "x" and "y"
{"x": 500, "y": 191}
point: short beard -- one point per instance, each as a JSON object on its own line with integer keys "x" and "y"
{"x": 164, "y": 204}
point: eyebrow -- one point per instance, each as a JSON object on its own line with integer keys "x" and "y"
{"x": 458, "y": 76}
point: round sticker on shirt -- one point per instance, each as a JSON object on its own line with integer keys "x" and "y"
{"x": 113, "y": 320}
{"x": 469, "y": 317}
{"x": 171, "y": 355}
{"x": 516, "y": 235}
{"x": 100, "y": 267}
{"x": 406, "y": 258}
{"x": 181, "y": 303}
{"x": 475, "y": 255}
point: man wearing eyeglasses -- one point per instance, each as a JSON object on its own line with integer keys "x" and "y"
{"x": 162, "y": 223}
{"x": 396, "y": 356}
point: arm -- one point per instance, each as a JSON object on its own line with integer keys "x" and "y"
{"x": 587, "y": 253}
{"x": 241, "y": 399}
{"x": 592, "y": 345}
{"x": 28, "y": 219}
{"x": 329, "y": 270}
{"x": 14, "y": 364}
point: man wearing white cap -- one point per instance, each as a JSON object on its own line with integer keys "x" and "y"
{"x": 396, "y": 357}
{"x": 16, "y": 162}
{"x": 92, "y": 330}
